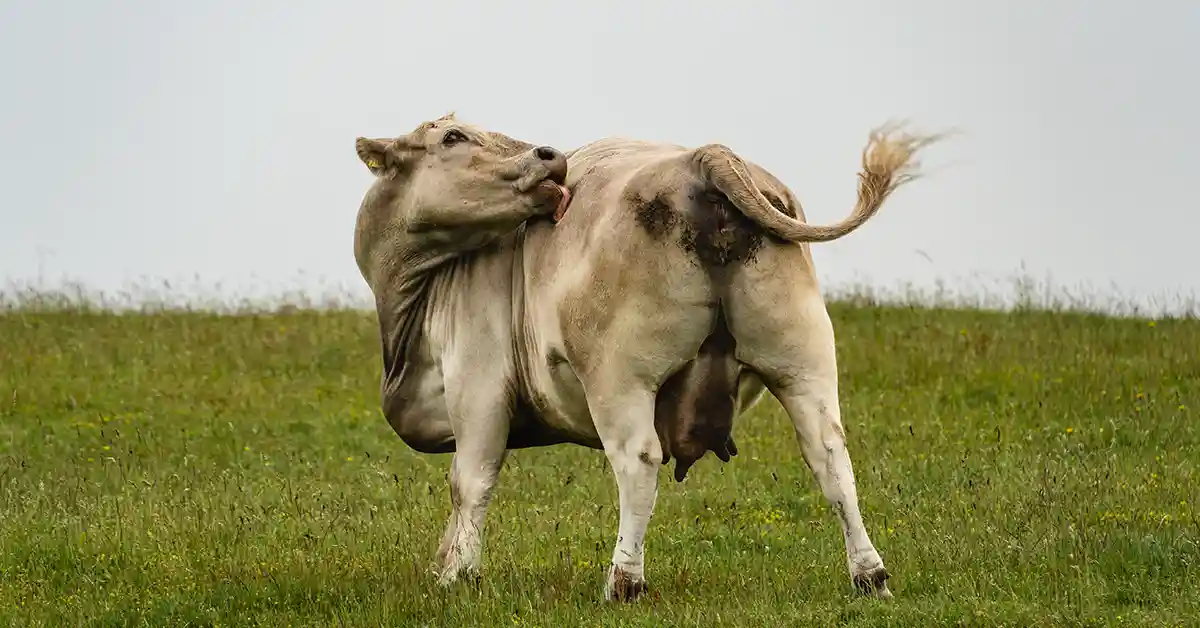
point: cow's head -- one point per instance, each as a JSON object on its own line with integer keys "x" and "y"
{"x": 445, "y": 165}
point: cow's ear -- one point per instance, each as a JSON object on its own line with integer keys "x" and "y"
{"x": 377, "y": 155}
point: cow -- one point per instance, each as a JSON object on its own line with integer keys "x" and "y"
{"x": 632, "y": 297}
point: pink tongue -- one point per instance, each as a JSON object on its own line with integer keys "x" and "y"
{"x": 563, "y": 201}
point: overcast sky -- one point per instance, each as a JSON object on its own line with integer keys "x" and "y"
{"x": 146, "y": 140}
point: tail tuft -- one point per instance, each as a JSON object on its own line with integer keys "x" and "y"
{"x": 888, "y": 162}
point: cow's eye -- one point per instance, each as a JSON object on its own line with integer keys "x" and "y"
{"x": 453, "y": 137}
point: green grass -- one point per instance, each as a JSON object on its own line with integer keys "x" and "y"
{"x": 1027, "y": 468}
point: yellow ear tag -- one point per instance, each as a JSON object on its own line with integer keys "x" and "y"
{"x": 372, "y": 163}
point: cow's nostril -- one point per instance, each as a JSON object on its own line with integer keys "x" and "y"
{"x": 545, "y": 153}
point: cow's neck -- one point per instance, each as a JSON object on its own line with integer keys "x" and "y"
{"x": 401, "y": 299}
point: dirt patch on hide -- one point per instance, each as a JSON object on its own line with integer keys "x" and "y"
{"x": 655, "y": 216}
{"x": 718, "y": 234}
{"x": 715, "y": 232}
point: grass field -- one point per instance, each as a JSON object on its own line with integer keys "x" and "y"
{"x": 189, "y": 469}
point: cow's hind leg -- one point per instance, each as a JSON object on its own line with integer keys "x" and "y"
{"x": 624, "y": 418}
{"x": 791, "y": 344}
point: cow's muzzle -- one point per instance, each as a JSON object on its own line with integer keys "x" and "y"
{"x": 546, "y": 172}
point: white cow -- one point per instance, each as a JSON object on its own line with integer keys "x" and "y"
{"x": 676, "y": 289}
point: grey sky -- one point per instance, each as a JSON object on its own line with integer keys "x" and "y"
{"x": 154, "y": 139}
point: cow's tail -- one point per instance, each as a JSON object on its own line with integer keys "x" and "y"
{"x": 887, "y": 163}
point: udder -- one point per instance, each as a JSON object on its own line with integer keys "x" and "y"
{"x": 695, "y": 407}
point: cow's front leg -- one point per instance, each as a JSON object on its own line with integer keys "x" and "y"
{"x": 625, "y": 423}
{"x": 481, "y": 433}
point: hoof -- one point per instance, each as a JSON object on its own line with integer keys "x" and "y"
{"x": 873, "y": 583}
{"x": 448, "y": 575}
{"x": 623, "y": 586}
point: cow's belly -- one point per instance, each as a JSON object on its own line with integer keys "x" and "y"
{"x": 558, "y": 398}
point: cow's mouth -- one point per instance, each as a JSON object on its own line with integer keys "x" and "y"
{"x": 559, "y": 191}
